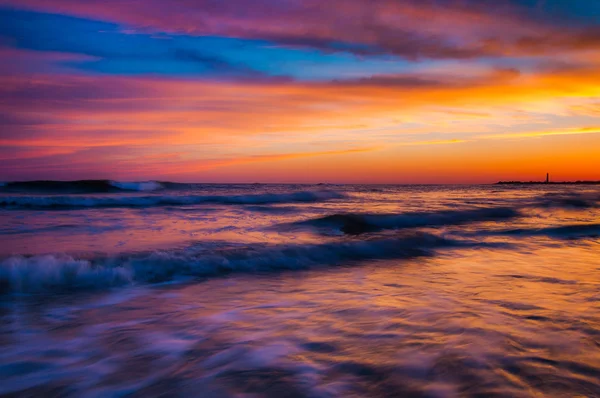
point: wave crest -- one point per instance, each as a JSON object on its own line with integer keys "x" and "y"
{"x": 575, "y": 231}
{"x": 70, "y": 202}
{"x": 137, "y": 186}
{"x": 355, "y": 223}
{"x": 570, "y": 200}
{"x": 84, "y": 186}
{"x": 55, "y": 273}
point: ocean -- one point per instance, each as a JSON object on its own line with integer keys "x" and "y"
{"x": 111, "y": 289}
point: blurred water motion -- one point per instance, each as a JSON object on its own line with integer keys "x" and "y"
{"x": 301, "y": 291}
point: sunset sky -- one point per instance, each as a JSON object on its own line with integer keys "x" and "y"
{"x": 369, "y": 91}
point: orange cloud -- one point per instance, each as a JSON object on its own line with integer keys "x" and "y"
{"x": 534, "y": 134}
{"x": 192, "y": 167}
{"x": 142, "y": 127}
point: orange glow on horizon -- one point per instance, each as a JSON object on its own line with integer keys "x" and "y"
{"x": 446, "y": 115}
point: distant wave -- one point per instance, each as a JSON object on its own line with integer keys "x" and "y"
{"x": 81, "y": 186}
{"x": 137, "y": 186}
{"x": 569, "y": 200}
{"x": 356, "y": 223}
{"x": 563, "y": 232}
{"x": 57, "y": 273}
{"x": 73, "y": 201}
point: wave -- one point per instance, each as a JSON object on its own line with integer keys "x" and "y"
{"x": 82, "y": 186}
{"x": 59, "y": 272}
{"x": 569, "y": 200}
{"x": 74, "y": 202}
{"x": 354, "y": 223}
{"x": 137, "y": 186}
{"x": 563, "y": 232}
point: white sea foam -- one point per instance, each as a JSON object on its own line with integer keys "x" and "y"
{"x": 58, "y": 272}
{"x": 50, "y": 273}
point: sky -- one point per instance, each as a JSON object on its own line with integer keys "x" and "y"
{"x": 300, "y": 91}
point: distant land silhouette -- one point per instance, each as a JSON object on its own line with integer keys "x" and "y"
{"x": 549, "y": 182}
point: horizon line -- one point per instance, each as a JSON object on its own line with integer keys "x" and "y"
{"x": 499, "y": 182}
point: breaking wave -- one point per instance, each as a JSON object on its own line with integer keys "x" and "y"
{"x": 354, "y": 224}
{"x": 81, "y": 186}
{"x": 71, "y": 202}
{"x": 89, "y": 186}
{"x": 569, "y": 200}
{"x": 60, "y": 272}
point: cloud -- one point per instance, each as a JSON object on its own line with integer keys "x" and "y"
{"x": 99, "y": 107}
{"x": 435, "y": 142}
{"x": 88, "y": 110}
{"x": 451, "y": 29}
{"x": 544, "y": 133}
{"x": 191, "y": 167}
{"x": 101, "y": 47}
{"x": 444, "y": 80}
{"x": 592, "y": 109}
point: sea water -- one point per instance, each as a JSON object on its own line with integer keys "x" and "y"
{"x": 165, "y": 289}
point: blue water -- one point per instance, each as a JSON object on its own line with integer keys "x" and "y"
{"x": 154, "y": 289}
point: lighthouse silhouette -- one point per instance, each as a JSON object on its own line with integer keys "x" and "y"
{"x": 547, "y": 178}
